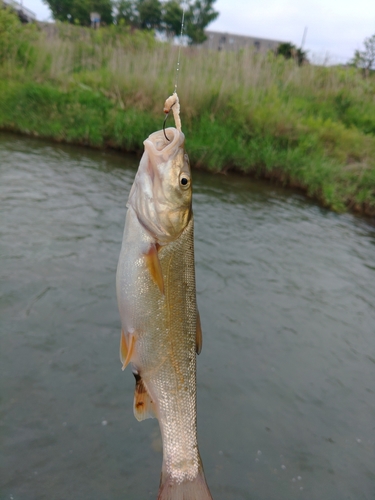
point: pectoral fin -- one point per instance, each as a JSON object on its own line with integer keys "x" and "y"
{"x": 126, "y": 348}
{"x": 153, "y": 264}
{"x": 199, "y": 338}
{"x": 143, "y": 404}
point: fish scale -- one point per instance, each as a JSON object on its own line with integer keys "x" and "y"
{"x": 167, "y": 359}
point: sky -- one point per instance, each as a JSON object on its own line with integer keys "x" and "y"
{"x": 335, "y": 28}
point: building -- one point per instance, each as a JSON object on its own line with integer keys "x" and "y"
{"x": 26, "y": 15}
{"x": 227, "y": 41}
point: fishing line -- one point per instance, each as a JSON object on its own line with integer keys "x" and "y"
{"x": 177, "y": 73}
{"x": 179, "y": 50}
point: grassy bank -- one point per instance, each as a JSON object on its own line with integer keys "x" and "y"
{"x": 311, "y": 127}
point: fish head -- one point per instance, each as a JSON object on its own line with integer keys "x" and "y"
{"x": 161, "y": 195}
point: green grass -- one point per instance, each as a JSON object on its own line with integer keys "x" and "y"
{"x": 310, "y": 127}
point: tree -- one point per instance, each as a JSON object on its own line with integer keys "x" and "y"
{"x": 143, "y": 14}
{"x": 365, "y": 59}
{"x": 150, "y": 14}
{"x": 166, "y": 16}
{"x": 290, "y": 51}
{"x": 127, "y": 11}
{"x": 78, "y": 11}
{"x": 198, "y": 16}
{"x": 172, "y": 18}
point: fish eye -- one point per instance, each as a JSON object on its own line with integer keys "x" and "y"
{"x": 184, "y": 180}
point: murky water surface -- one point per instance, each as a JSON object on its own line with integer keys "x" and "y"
{"x": 286, "y": 379}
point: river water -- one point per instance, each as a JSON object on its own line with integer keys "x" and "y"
{"x": 286, "y": 378}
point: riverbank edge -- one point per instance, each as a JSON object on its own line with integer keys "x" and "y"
{"x": 218, "y": 144}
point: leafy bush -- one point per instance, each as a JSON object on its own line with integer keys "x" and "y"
{"x": 10, "y": 31}
{"x": 15, "y": 39}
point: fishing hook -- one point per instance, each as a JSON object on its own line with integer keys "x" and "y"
{"x": 165, "y": 120}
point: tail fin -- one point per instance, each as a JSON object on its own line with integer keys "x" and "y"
{"x": 196, "y": 489}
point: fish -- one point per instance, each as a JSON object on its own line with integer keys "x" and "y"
{"x": 161, "y": 332}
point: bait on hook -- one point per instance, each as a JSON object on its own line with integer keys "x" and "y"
{"x": 172, "y": 103}
{"x": 165, "y": 120}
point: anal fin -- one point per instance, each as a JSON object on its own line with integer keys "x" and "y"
{"x": 143, "y": 404}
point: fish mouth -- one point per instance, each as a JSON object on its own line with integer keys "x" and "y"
{"x": 158, "y": 146}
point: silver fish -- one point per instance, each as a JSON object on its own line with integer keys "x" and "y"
{"x": 161, "y": 331}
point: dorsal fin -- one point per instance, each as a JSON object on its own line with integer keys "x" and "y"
{"x": 143, "y": 404}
